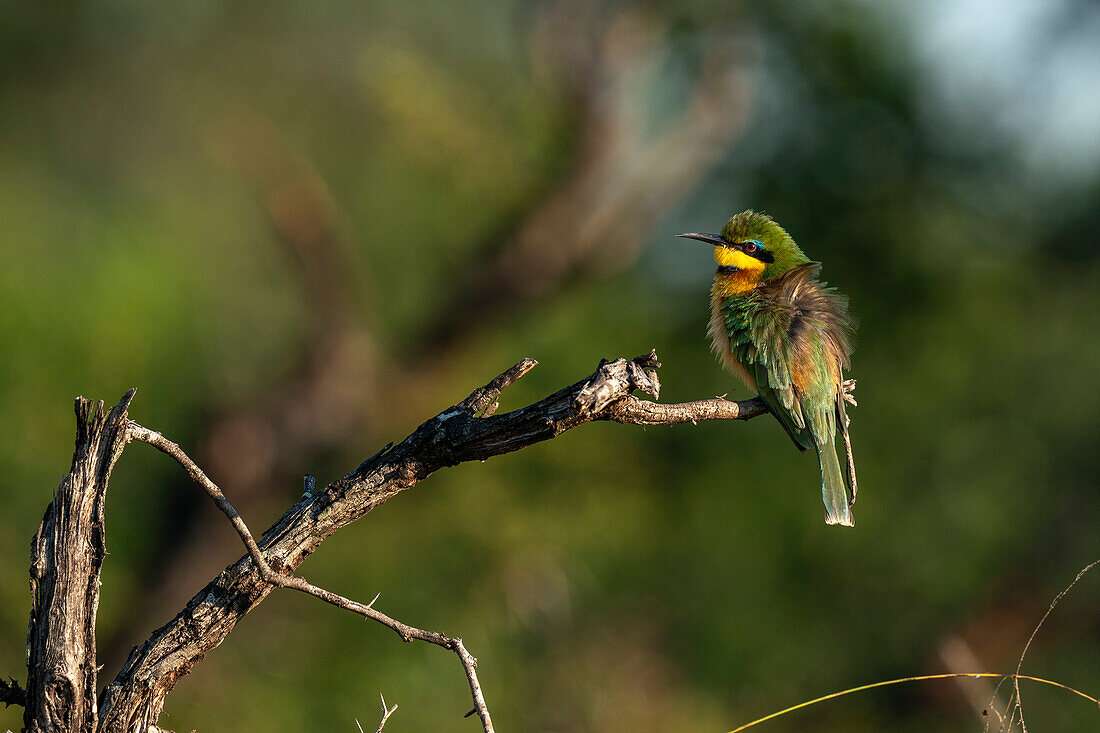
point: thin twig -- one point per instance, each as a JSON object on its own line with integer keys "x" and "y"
{"x": 1019, "y": 706}
{"x": 158, "y": 441}
{"x": 298, "y": 583}
{"x": 386, "y": 713}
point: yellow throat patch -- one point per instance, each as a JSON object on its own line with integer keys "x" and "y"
{"x": 745, "y": 278}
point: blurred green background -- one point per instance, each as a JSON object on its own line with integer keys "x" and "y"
{"x": 301, "y": 228}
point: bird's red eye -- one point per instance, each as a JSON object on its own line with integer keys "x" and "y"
{"x": 751, "y": 247}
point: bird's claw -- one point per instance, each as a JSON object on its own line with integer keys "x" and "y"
{"x": 846, "y": 388}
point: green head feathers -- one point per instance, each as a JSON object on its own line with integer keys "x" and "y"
{"x": 753, "y": 243}
{"x": 774, "y": 242}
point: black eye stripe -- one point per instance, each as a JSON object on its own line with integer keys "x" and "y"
{"x": 761, "y": 254}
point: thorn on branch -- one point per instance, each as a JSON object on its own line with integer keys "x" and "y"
{"x": 386, "y": 713}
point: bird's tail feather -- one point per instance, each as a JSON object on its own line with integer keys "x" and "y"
{"x": 833, "y": 491}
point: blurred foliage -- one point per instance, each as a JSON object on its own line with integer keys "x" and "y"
{"x": 614, "y": 578}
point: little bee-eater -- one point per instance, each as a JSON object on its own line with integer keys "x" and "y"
{"x": 788, "y": 337}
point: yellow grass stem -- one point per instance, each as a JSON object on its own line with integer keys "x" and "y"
{"x": 920, "y": 678}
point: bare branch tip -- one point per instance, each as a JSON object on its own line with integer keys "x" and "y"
{"x": 648, "y": 361}
{"x": 509, "y": 377}
{"x": 123, "y": 403}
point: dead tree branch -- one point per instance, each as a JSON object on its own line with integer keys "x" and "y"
{"x": 66, "y": 557}
{"x": 136, "y": 696}
{"x": 62, "y": 673}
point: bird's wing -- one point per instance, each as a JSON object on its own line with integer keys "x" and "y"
{"x": 759, "y": 337}
{"x": 793, "y": 336}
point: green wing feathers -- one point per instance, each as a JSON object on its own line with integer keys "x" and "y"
{"x": 792, "y": 420}
{"x": 793, "y": 335}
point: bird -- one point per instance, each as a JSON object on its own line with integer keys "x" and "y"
{"x": 788, "y": 336}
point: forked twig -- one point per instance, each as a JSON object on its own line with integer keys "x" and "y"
{"x": 298, "y": 583}
{"x": 386, "y": 713}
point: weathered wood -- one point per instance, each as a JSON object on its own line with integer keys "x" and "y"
{"x": 68, "y": 550}
{"x": 66, "y": 557}
{"x": 134, "y": 700}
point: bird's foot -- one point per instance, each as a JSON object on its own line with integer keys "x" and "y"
{"x": 847, "y": 387}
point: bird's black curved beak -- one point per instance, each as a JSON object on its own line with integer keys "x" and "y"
{"x": 715, "y": 240}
